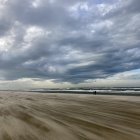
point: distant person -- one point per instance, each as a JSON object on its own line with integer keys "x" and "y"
{"x": 95, "y": 92}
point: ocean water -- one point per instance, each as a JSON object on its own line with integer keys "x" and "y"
{"x": 101, "y": 90}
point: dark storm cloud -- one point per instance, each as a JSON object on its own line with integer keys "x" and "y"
{"x": 68, "y": 41}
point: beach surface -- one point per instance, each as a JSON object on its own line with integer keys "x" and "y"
{"x": 56, "y": 116}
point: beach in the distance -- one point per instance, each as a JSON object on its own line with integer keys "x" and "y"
{"x": 44, "y": 116}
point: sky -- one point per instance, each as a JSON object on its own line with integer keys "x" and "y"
{"x": 69, "y": 43}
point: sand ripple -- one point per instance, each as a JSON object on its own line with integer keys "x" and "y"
{"x": 35, "y": 116}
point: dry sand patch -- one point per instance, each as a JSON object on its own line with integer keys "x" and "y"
{"x": 38, "y": 116}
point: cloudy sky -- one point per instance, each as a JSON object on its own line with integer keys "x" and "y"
{"x": 66, "y": 43}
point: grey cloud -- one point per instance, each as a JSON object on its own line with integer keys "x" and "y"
{"x": 75, "y": 50}
{"x": 4, "y": 26}
{"x": 47, "y": 14}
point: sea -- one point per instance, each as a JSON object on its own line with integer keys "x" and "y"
{"x": 93, "y": 90}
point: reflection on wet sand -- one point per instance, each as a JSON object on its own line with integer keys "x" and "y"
{"x": 36, "y": 116}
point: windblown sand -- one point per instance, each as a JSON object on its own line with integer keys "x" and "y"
{"x": 38, "y": 116}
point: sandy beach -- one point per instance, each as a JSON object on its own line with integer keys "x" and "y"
{"x": 44, "y": 116}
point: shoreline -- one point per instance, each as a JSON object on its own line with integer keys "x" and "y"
{"x": 93, "y": 93}
{"x": 117, "y": 93}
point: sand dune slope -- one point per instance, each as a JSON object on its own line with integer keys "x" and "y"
{"x": 35, "y": 116}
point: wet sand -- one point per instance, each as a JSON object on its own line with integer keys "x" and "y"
{"x": 38, "y": 116}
